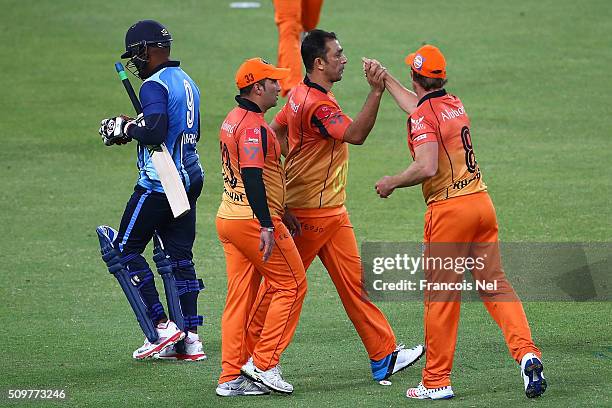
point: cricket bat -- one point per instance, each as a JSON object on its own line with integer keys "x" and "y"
{"x": 162, "y": 161}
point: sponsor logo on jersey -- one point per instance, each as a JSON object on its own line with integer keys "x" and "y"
{"x": 451, "y": 113}
{"x": 294, "y": 106}
{"x": 417, "y": 124}
{"x": 228, "y": 127}
{"x": 337, "y": 118}
{"x": 250, "y": 152}
{"x": 252, "y": 136}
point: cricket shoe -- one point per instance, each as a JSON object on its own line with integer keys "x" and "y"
{"x": 168, "y": 333}
{"x": 398, "y": 360}
{"x": 272, "y": 378}
{"x": 422, "y": 392}
{"x": 191, "y": 350}
{"x": 533, "y": 376}
{"x": 241, "y": 386}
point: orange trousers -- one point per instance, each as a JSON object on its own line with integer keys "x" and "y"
{"x": 292, "y": 18}
{"x": 286, "y": 279}
{"x": 468, "y": 219}
{"x": 333, "y": 240}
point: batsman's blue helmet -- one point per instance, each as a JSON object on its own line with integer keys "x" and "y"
{"x": 145, "y": 33}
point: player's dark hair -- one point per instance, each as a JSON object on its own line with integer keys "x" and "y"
{"x": 314, "y": 46}
{"x": 247, "y": 89}
{"x": 428, "y": 83}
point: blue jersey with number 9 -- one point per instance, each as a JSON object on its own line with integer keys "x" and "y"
{"x": 171, "y": 91}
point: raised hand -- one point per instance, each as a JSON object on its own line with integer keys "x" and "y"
{"x": 374, "y": 73}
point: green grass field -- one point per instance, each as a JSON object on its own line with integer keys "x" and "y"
{"x": 534, "y": 79}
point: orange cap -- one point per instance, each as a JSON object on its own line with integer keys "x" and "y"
{"x": 256, "y": 69}
{"x": 428, "y": 61}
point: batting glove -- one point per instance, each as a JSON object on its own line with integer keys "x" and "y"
{"x": 113, "y": 130}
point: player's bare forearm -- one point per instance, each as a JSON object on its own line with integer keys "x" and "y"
{"x": 414, "y": 175}
{"x": 404, "y": 98}
{"x": 425, "y": 166}
{"x": 281, "y": 136}
{"x": 359, "y": 130}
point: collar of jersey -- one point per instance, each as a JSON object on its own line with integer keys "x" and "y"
{"x": 247, "y": 104}
{"x": 164, "y": 65}
{"x": 311, "y": 84}
{"x": 434, "y": 94}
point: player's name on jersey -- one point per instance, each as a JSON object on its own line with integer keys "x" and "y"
{"x": 234, "y": 196}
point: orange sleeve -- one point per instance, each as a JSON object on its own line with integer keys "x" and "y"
{"x": 420, "y": 130}
{"x": 281, "y": 116}
{"x": 251, "y": 148}
{"x": 330, "y": 121}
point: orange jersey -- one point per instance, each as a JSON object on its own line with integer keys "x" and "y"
{"x": 441, "y": 117}
{"x": 246, "y": 140}
{"x": 317, "y": 164}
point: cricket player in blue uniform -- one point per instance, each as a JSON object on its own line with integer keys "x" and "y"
{"x": 170, "y": 102}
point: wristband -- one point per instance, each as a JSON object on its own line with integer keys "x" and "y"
{"x": 127, "y": 126}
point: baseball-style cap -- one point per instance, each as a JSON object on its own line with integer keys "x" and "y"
{"x": 428, "y": 61}
{"x": 256, "y": 69}
{"x": 145, "y": 32}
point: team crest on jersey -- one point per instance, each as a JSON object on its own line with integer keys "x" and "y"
{"x": 417, "y": 124}
{"x": 418, "y": 61}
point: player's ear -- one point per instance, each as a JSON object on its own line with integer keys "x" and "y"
{"x": 319, "y": 63}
